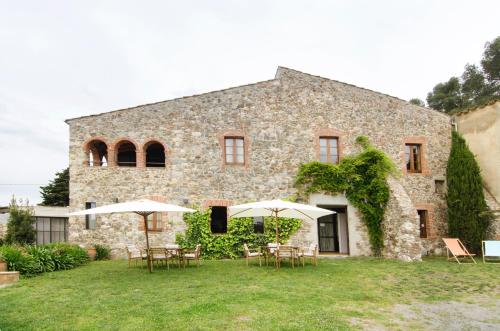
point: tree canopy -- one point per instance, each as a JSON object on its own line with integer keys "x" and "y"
{"x": 56, "y": 193}
{"x": 476, "y": 87}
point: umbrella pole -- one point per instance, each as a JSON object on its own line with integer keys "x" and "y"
{"x": 277, "y": 232}
{"x": 147, "y": 241}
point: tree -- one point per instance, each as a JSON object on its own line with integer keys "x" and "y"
{"x": 446, "y": 96}
{"x": 20, "y": 224}
{"x": 417, "y": 101}
{"x": 475, "y": 89}
{"x": 491, "y": 60}
{"x": 468, "y": 215}
{"x": 57, "y": 192}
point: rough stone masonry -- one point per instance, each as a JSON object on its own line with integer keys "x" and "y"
{"x": 281, "y": 121}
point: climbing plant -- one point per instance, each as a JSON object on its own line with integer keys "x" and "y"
{"x": 239, "y": 231}
{"x": 363, "y": 179}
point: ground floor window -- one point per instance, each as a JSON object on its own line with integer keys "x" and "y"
{"x": 218, "y": 219}
{"x": 423, "y": 217}
{"x": 155, "y": 222}
{"x": 90, "y": 220}
{"x": 51, "y": 229}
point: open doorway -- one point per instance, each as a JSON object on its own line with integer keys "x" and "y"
{"x": 333, "y": 234}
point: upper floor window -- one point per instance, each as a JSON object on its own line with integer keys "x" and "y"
{"x": 413, "y": 158}
{"x": 234, "y": 148}
{"x": 97, "y": 153}
{"x": 329, "y": 149}
{"x": 126, "y": 154}
{"x": 154, "y": 222}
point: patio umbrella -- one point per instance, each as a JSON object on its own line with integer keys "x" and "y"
{"x": 143, "y": 207}
{"x": 278, "y": 208}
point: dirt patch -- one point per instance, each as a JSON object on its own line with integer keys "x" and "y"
{"x": 480, "y": 313}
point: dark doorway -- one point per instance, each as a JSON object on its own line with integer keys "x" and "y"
{"x": 218, "y": 219}
{"x": 332, "y": 231}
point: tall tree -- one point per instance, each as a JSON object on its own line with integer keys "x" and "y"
{"x": 468, "y": 215}
{"x": 446, "y": 96}
{"x": 20, "y": 228}
{"x": 491, "y": 60}
{"x": 57, "y": 192}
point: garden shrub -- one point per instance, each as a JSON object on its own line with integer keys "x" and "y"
{"x": 30, "y": 260}
{"x": 20, "y": 229}
{"x": 239, "y": 231}
{"x": 363, "y": 179}
{"x": 102, "y": 252}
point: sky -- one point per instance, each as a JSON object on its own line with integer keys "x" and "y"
{"x": 64, "y": 59}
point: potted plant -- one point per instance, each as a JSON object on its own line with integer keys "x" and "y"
{"x": 91, "y": 252}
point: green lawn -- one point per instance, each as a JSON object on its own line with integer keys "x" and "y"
{"x": 229, "y": 295}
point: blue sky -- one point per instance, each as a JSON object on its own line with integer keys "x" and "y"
{"x": 63, "y": 59}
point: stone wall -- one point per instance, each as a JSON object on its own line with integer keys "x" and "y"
{"x": 280, "y": 120}
{"x": 3, "y": 230}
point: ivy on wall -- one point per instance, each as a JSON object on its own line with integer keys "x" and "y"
{"x": 363, "y": 179}
{"x": 239, "y": 231}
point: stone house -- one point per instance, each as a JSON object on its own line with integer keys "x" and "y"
{"x": 246, "y": 144}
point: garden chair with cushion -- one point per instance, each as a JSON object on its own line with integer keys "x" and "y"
{"x": 285, "y": 253}
{"x": 174, "y": 251}
{"x": 135, "y": 254}
{"x": 271, "y": 252}
{"x": 458, "y": 251}
{"x": 159, "y": 255}
{"x": 251, "y": 255}
{"x": 192, "y": 255}
{"x": 491, "y": 250}
{"x": 310, "y": 252}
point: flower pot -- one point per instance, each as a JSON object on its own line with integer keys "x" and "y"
{"x": 91, "y": 252}
{"x": 3, "y": 266}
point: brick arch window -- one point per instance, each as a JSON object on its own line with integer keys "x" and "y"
{"x": 155, "y": 154}
{"x": 156, "y": 222}
{"x": 235, "y": 146}
{"x": 96, "y": 151}
{"x": 126, "y": 154}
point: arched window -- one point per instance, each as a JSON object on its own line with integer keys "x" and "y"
{"x": 126, "y": 154}
{"x": 155, "y": 154}
{"x": 97, "y": 153}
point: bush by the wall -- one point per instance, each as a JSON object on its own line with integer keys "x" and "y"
{"x": 102, "y": 252}
{"x": 31, "y": 260}
{"x": 20, "y": 229}
{"x": 239, "y": 231}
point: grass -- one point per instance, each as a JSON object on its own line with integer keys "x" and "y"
{"x": 230, "y": 295}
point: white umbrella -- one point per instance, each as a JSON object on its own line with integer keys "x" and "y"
{"x": 278, "y": 208}
{"x": 143, "y": 207}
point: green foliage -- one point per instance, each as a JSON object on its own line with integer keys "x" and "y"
{"x": 56, "y": 193}
{"x": 417, "y": 101}
{"x": 491, "y": 60}
{"x": 468, "y": 215}
{"x": 102, "y": 252}
{"x": 239, "y": 231}
{"x": 31, "y": 260}
{"x": 20, "y": 228}
{"x": 476, "y": 87}
{"x": 363, "y": 179}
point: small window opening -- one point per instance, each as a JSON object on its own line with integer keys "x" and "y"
{"x": 423, "y": 217}
{"x": 413, "y": 158}
{"x": 126, "y": 156}
{"x": 439, "y": 186}
{"x": 154, "y": 222}
{"x": 258, "y": 224}
{"x": 234, "y": 150}
{"x": 155, "y": 155}
{"x": 90, "y": 220}
{"x": 218, "y": 219}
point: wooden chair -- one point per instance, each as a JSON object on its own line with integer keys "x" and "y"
{"x": 159, "y": 255}
{"x": 251, "y": 255}
{"x": 174, "y": 252}
{"x": 271, "y": 252}
{"x": 283, "y": 253}
{"x": 192, "y": 255}
{"x": 135, "y": 254}
{"x": 310, "y": 252}
{"x": 455, "y": 247}
{"x": 491, "y": 250}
